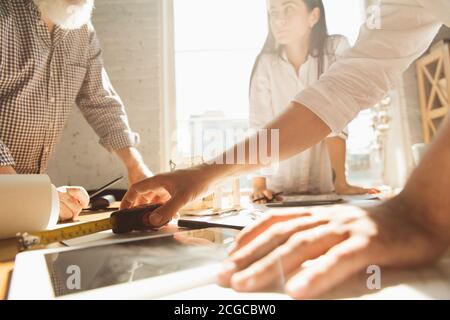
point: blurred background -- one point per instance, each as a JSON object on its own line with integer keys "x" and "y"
{"x": 182, "y": 68}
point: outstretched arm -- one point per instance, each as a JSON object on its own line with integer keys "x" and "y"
{"x": 358, "y": 80}
{"x": 410, "y": 230}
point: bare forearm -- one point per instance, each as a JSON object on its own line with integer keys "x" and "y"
{"x": 130, "y": 157}
{"x": 337, "y": 149}
{"x": 427, "y": 193}
{"x": 294, "y": 131}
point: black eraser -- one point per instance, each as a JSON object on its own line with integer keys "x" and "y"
{"x": 134, "y": 219}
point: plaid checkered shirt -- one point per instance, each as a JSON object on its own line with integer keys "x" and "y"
{"x": 42, "y": 76}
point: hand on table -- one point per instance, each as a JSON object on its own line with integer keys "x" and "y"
{"x": 261, "y": 194}
{"x": 350, "y": 190}
{"x": 337, "y": 241}
{"x": 264, "y": 196}
{"x": 72, "y": 200}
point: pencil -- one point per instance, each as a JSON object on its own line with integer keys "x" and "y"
{"x": 100, "y": 190}
{"x": 265, "y": 198}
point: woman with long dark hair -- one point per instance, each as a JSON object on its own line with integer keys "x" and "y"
{"x": 298, "y": 49}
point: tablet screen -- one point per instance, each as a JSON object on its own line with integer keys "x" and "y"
{"x": 112, "y": 264}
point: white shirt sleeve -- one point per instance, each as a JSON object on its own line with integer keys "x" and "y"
{"x": 368, "y": 70}
{"x": 340, "y": 46}
{"x": 343, "y": 46}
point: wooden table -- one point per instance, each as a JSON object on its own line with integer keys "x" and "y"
{"x": 427, "y": 283}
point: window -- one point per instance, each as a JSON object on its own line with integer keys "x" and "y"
{"x": 216, "y": 42}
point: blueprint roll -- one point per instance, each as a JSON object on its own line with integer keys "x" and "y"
{"x": 27, "y": 203}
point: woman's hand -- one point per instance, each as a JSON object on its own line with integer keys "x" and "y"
{"x": 72, "y": 200}
{"x": 178, "y": 188}
{"x": 264, "y": 196}
{"x": 336, "y": 241}
{"x": 345, "y": 189}
{"x": 260, "y": 193}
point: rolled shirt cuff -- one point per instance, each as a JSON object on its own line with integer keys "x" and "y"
{"x": 335, "y": 114}
{"x": 6, "y": 160}
{"x": 343, "y": 135}
{"x": 120, "y": 140}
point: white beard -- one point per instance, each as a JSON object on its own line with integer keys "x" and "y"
{"x": 68, "y": 14}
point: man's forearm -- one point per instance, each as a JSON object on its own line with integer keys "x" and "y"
{"x": 130, "y": 157}
{"x": 295, "y": 130}
{"x": 427, "y": 192}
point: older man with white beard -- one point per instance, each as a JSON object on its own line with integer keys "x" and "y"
{"x": 50, "y": 59}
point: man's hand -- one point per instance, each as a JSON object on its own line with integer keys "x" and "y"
{"x": 336, "y": 241}
{"x": 176, "y": 189}
{"x": 71, "y": 201}
{"x": 139, "y": 173}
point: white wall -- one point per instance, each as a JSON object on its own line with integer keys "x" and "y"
{"x": 129, "y": 31}
{"x": 345, "y": 17}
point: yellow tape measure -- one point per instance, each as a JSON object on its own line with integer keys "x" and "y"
{"x": 122, "y": 221}
{"x": 34, "y": 240}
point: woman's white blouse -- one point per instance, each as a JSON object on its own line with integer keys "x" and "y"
{"x": 275, "y": 83}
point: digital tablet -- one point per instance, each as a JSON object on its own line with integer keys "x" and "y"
{"x": 138, "y": 269}
{"x": 306, "y": 201}
{"x": 235, "y": 220}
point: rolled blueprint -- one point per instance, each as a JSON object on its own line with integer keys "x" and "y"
{"x": 27, "y": 203}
